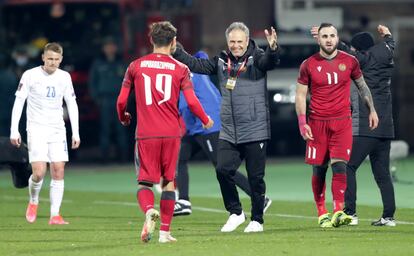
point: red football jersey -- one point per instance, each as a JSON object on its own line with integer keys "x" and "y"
{"x": 157, "y": 80}
{"x": 329, "y": 82}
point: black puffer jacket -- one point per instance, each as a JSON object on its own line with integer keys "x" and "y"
{"x": 377, "y": 66}
{"x": 245, "y": 110}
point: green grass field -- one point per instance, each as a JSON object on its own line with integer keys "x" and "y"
{"x": 104, "y": 218}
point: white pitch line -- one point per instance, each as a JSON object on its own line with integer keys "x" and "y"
{"x": 205, "y": 209}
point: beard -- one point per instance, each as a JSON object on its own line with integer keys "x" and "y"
{"x": 329, "y": 52}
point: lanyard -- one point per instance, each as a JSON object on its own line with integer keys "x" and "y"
{"x": 239, "y": 70}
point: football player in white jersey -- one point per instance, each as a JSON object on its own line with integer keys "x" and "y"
{"x": 45, "y": 87}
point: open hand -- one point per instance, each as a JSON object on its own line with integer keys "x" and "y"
{"x": 314, "y": 31}
{"x": 271, "y": 38}
{"x": 383, "y": 30}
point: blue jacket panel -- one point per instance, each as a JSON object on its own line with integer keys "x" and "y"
{"x": 210, "y": 99}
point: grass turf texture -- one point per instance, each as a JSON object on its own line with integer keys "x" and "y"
{"x": 104, "y": 218}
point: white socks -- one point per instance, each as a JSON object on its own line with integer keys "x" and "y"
{"x": 34, "y": 190}
{"x": 56, "y": 196}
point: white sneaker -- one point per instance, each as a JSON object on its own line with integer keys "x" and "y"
{"x": 253, "y": 226}
{"x": 151, "y": 218}
{"x": 233, "y": 222}
{"x": 354, "y": 221}
{"x": 388, "y": 221}
{"x": 182, "y": 207}
{"x": 267, "y": 203}
{"x": 165, "y": 237}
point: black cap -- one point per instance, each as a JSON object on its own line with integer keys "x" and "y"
{"x": 362, "y": 41}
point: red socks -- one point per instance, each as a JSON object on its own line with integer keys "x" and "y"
{"x": 338, "y": 191}
{"x": 145, "y": 198}
{"x": 318, "y": 188}
{"x": 167, "y": 209}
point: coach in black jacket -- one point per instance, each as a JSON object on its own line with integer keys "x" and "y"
{"x": 377, "y": 66}
{"x": 244, "y": 114}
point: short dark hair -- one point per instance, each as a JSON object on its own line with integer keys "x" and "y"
{"x": 325, "y": 25}
{"x": 162, "y": 33}
{"x": 54, "y": 47}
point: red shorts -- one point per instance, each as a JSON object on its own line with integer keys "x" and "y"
{"x": 332, "y": 140}
{"x": 156, "y": 158}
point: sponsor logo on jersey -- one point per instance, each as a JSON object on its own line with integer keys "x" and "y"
{"x": 319, "y": 68}
{"x": 342, "y": 67}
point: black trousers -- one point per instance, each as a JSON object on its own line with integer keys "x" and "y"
{"x": 190, "y": 145}
{"x": 230, "y": 157}
{"x": 378, "y": 150}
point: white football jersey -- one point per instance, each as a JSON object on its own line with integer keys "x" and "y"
{"x": 44, "y": 94}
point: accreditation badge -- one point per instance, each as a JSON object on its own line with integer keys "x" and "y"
{"x": 231, "y": 83}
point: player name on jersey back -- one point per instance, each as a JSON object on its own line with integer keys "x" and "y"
{"x": 157, "y": 64}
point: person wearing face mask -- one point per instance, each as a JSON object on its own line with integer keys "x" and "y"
{"x": 245, "y": 121}
{"x": 22, "y": 61}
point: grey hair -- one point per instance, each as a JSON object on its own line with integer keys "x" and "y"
{"x": 237, "y": 26}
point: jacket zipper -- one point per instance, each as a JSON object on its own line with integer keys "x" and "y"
{"x": 232, "y": 112}
{"x": 232, "y": 116}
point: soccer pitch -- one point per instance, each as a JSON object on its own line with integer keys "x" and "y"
{"x": 104, "y": 218}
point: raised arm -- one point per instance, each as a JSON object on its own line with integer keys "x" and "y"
{"x": 196, "y": 65}
{"x": 270, "y": 58}
{"x": 365, "y": 94}
{"x": 388, "y": 39}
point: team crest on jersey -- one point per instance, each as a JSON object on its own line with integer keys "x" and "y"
{"x": 342, "y": 67}
{"x": 20, "y": 86}
{"x": 319, "y": 68}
